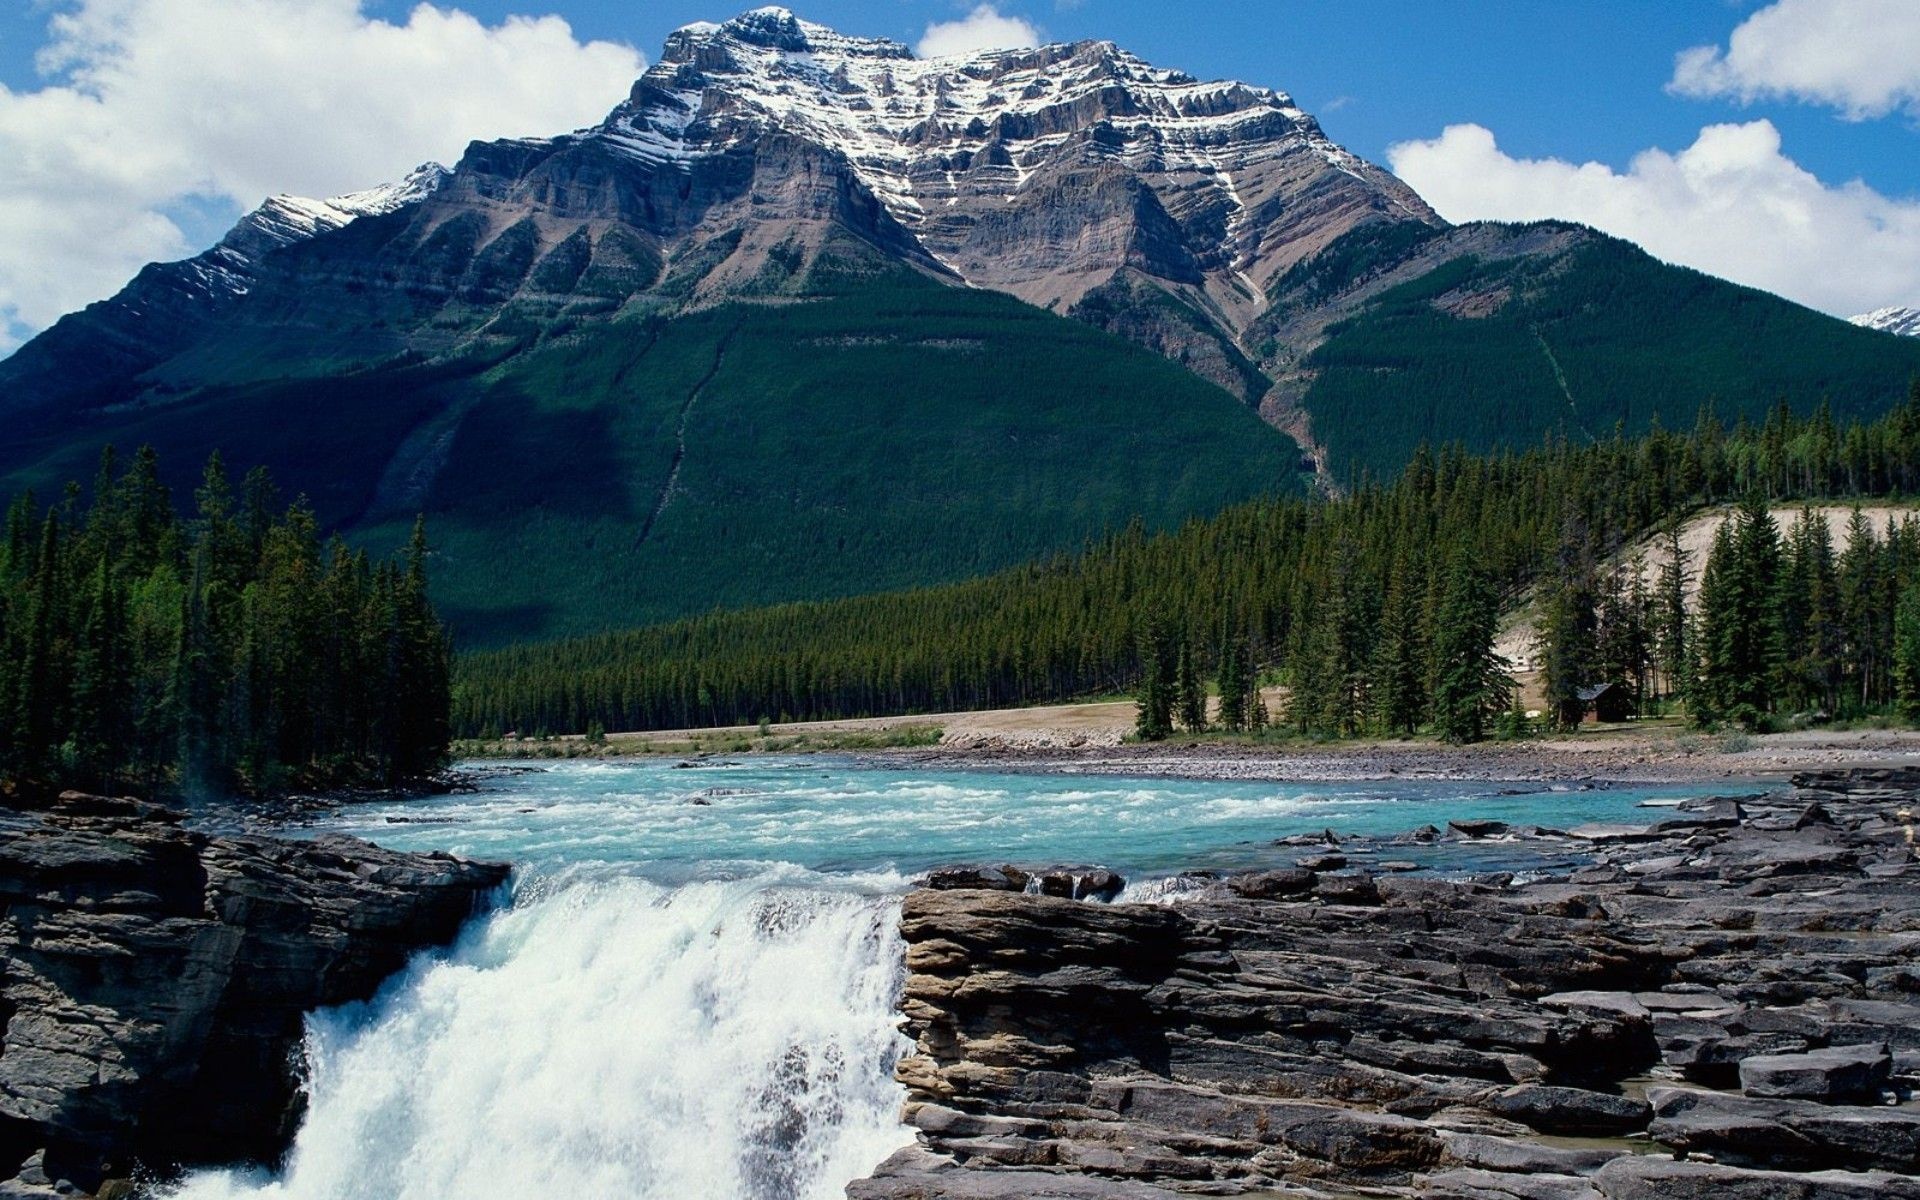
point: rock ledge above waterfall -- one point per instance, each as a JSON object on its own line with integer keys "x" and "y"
{"x": 156, "y": 980}
{"x": 1584, "y": 1036}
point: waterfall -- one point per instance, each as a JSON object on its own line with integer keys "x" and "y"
{"x": 614, "y": 1037}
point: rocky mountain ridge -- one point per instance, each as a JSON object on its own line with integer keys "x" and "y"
{"x": 1050, "y": 173}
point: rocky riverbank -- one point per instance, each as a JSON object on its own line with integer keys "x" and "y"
{"x": 156, "y": 980}
{"x": 1655, "y": 753}
{"x": 1724, "y": 1003}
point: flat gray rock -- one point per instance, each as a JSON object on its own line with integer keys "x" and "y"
{"x": 1834, "y": 1075}
{"x": 1573, "y": 1111}
{"x": 1650, "y": 1178}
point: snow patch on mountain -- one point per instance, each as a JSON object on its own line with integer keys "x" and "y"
{"x": 227, "y": 269}
{"x": 288, "y": 219}
{"x": 1898, "y": 319}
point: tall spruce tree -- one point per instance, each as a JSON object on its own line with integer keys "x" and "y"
{"x": 1741, "y": 621}
{"x": 1810, "y": 628}
{"x": 1474, "y": 688}
{"x": 1234, "y": 685}
{"x": 1670, "y": 614}
{"x": 1155, "y": 710}
{"x": 1569, "y": 624}
{"x": 1906, "y": 652}
{"x": 1191, "y": 694}
{"x": 1861, "y": 584}
{"x": 1397, "y": 677}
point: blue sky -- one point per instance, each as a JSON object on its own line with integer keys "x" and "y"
{"x": 1554, "y": 84}
{"x": 1579, "y": 79}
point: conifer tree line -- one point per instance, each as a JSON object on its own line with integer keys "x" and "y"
{"x": 231, "y": 649}
{"x": 1788, "y": 620}
{"x": 1378, "y": 609}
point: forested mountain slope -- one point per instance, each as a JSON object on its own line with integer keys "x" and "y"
{"x": 1344, "y": 599}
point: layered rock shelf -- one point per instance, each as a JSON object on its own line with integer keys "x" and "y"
{"x": 1724, "y": 1002}
{"x": 156, "y": 981}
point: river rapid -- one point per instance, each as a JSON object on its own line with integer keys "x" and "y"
{"x": 689, "y": 992}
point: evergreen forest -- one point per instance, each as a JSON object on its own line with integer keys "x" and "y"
{"x": 1379, "y": 609}
{"x": 230, "y": 650}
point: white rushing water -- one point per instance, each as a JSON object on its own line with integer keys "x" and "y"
{"x": 612, "y": 1037}
{"x": 690, "y": 994}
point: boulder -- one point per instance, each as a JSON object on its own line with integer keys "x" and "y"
{"x": 1638, "y": 1177}
{"x": 1347, "y": 889}
{"x": 1068, "y": 883}
{"x": 976, "y": 878}
{"x": 1267, "y": 885}
{"x": 1471, "y": 1184}
{"x": 1571, "y": 1111}
{"x": 1321, "y": 862}
{"x": 1835, "y": 1075}
{"x": 1512, "y": 1155}
{"x": 1798, "y": 1133}
{"x": 1478, "y": 829}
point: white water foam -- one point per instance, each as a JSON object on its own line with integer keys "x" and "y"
{"x": 612, "y": 1037}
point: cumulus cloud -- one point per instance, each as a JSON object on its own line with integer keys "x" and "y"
{"x": 151, "y": 106}
{"x": 1731, "y": 204}
{"x": 985, "y": 28}
{"x": 1859, "y": 56}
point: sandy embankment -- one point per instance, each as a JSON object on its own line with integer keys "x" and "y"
{"x": 1089, "y": 739}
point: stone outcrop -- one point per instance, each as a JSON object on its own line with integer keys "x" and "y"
{"x": 155, "y": 980}
{"x": 1330, "y": 1031}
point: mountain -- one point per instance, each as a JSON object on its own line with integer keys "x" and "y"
{"x": 1903, "y": 321}
{"x": 808, "y": 316}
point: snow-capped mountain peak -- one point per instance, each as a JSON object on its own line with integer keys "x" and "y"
{"x": 1898, "y": 319}
{"x": 940, "y": 141}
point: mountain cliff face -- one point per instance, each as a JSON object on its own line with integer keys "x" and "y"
{"x": 794, "y": 321}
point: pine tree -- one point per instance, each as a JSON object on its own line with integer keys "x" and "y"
{"x": 1191, "y": 696}
{"x": 1860, "y": 584}
{"x": 1809, "y": 624}
{"x": 1741, "y": 623}
{"x": 1397, "y": 686}
{"x": 1473, "y": 686}
{"x": 1154, "y": 721}
{"x": 1906, "y": 652}
{"x": 102, "y": 688}
{"x": 39, "y": 710}
{"x": 1569, "y": 625}
{"x": 1233, "y": 684}
{"x": 1329, "y": 687}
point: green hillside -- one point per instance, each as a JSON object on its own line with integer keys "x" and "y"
{"x": 1574, "y": 344}
{"x": 1346, "y": 600}
{"x": 640, "y": 469}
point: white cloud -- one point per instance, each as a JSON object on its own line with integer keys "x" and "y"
{"x": 1859, "y": 56}
{"x": 982, "y": 29}
{"x": 1731, "y": 204}
{"x": 154, "y": 102}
